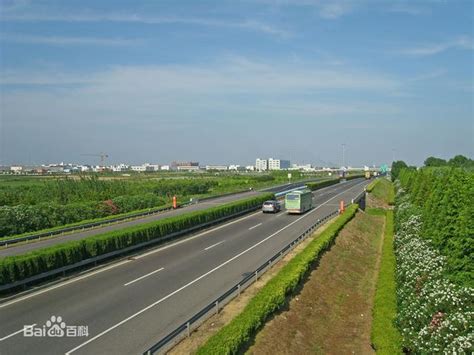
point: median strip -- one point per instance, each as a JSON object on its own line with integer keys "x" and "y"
{"x": 22, "y": 267}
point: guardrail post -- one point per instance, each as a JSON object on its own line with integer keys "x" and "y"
{"x": 188, "y": 326}
{"x": 238, "y": 289}
{"x": 256, "y": 275}
{"x": 217, "y": 307}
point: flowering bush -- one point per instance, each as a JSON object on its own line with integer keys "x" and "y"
{"x": 434, "y": 314}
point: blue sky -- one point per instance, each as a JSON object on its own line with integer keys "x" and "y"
{"x": 229, "y": 81}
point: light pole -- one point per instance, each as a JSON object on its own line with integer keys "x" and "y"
{"x": 344, "y": 155}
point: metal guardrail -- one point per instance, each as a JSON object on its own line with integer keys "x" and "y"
{"x": 95, "y": 260}
{"x": 85, "y": 226}
{"x": 185, "y": 329}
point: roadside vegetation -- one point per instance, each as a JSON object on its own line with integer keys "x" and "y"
{"x": 434, "y": 224}
{"x": 15, "y": 268}
{"x": 385, "y": 336}
{"x": 383, "y": 190}
{"x": 233, "y": 337}
{"x": 331, "y": 314}
{"x": 30, "y": 204}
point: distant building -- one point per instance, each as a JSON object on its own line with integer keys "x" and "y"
{"x": 250, "y": 168}
{"x": 188, "y": 168}
{"x": 278, "y": 164}
{"x": 152, "y": 167}
{"x": 238, "y": 168}
{"x": 138, "y": 168}
{"x": 16, "y": 169}
{"x": 165, "y": 167}
{"x": 217, "y": 167}
{"x": 261, "y": 164}
{"x": 305, "y": 167}
{"x": 184, "y": 165}
{"x": 119, "y": 168}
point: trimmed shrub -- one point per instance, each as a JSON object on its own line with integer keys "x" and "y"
{"x": 19, "y": 267}
{"x": 231, "y": 338}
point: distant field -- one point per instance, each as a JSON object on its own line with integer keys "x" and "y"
{"x": 32, "y": 203}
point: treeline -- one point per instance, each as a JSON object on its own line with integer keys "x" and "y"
{"x": 444, "y": 197}
{"x": 459, "y": 161}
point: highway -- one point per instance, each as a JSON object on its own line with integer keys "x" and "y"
{"x": 129, "y": 305}
{"x": 21, "y": 248}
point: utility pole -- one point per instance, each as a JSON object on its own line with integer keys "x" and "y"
{"x": 343, "y": 154}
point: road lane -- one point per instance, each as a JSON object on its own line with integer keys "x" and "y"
{"x": 101, "y": 301}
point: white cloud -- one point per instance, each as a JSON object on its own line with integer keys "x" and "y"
{"x": 432, "y": 49}
{"x": 65, "y": 41}
{"x": 334, "y": 10}
{"x": 250, "y": 25}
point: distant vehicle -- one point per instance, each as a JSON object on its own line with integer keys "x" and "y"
{"x": 367, "y": 174}
{"x": 299, "y": 201}
{"x": 271, "y": 206}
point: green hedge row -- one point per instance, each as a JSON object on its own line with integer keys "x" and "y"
{"x": 445, "y": 199}
{"x": 232, "y": 337}
{"x": 371, "y": 186}
{"x": 357, "y": 176}
{"x": 319, "y": 185}
{"x": 19, "y": 267}
{"x": 386, "y": 338}
{"x": 383, "y": 189}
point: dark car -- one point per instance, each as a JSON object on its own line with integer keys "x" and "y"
{"x": 272, "y": 206}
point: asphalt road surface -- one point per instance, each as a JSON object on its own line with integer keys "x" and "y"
{"x": 128, "y": 306}
{"x": 21, "y": 248}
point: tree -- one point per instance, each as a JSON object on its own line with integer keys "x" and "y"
{"x": 459, "y": 161}
{"x": 433, "y": 161}
{"x": 397, "y": 166}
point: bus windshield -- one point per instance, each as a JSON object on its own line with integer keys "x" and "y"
{"x": 292, "y": 197}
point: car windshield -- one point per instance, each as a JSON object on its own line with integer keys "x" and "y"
{"x": 268, "y": 203}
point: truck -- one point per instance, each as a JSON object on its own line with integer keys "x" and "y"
{"x": 367, "y": 175}
{"x": 299, "y": 201}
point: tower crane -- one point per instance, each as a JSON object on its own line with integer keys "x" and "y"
{"x": 102, "y": 156}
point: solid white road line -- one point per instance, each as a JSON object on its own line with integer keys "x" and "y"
{"x": 203, "y": 275}
{"x": 213, "y": 245}
{"x": 255, "y": 226}
{"x": 142, "y": 277}
{"x": 18, "y": 331}
{"x": 64, "y": 283}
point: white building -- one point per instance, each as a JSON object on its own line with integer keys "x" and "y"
{"x": 261, "y": 164}
{"x": 304, "y": 167}
{"x": 165, "y": 167}
{"x": 217, "y": 167}
{"x": 119, "y": 168}
{"x": 16, "y": 169}
{"x": 138, "y": 168}
{"x": 278, "y": 164}
{"x": 250, "y": 168}
{"x": 152, "y": 167}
